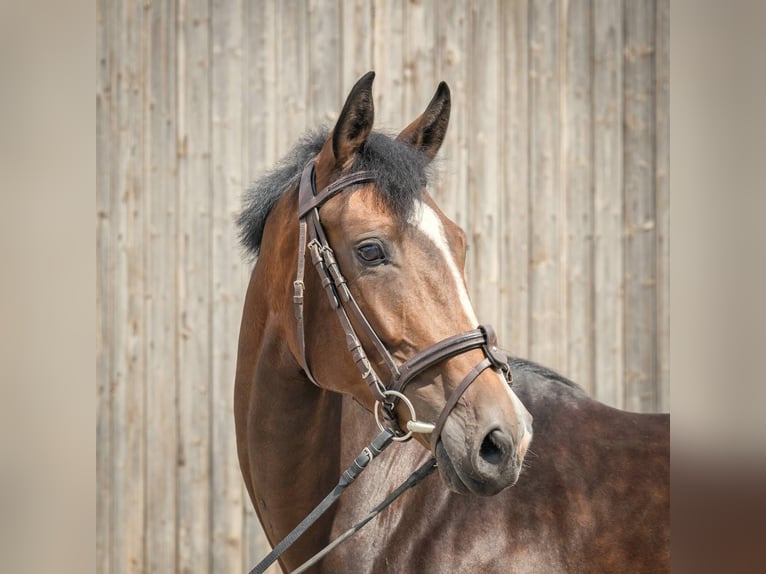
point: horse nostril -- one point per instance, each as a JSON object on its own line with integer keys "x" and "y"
{"x": 491, "y": 449}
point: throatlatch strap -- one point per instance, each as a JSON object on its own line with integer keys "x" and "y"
{"x": 299, "y": 288}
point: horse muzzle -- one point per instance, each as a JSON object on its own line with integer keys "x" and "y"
{"x": 486, "y": 471}
{"x": 482, "y": 446}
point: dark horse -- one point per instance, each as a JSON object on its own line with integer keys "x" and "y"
{"x": 593, "y": 496}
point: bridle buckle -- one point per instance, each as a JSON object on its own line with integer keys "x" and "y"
{"x": 298, "y": 288}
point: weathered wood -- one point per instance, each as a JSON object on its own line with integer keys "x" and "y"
{"x": 127, "y": 381}
{"x": 388, "y": 59}
{"x": 453, "y": 67}
{"x": 547, "y": 217}
{"x": 293, "y": 57}
{"x": 640, "y": 216}
{"x": 608, "y": 336}
{"x": 261, "y": 90}
{"x": 662, "y": 182}
{"x": 324, "y": 54}
{"x": 485, "y": 176}
{"x": 513, "y": 320}
{"x": 357, "y": 24}
{"x": 105, "y": 286}
{"x": 227, "y": 73}
{"x": 577, "y": 184}
{"x": 418, "y": 63}
{"x": 160, "y": 178}
{"x": 194, "y": 286}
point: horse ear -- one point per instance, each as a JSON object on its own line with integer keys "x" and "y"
{"x": 355, "y": 122}
{"x": 427, "y": 132}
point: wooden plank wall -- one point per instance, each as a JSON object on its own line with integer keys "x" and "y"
{"x": 556, "y": 166}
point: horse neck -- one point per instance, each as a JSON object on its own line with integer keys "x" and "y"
{"x": 288, "y": 429}
{"x": 294, "y": 455}
{"x": 296, "y": 435}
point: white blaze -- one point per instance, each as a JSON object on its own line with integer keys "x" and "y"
{"x": 426, "y": 219}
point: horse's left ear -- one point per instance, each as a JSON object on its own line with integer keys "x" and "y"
{"x": 427, "y": 132}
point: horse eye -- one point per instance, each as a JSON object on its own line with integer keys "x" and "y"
{"x": 371, "y": 253}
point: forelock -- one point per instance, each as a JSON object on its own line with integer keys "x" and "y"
{"x": 401, "y": 175}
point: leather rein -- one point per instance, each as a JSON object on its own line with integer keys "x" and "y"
{"x": 312, "y": 237}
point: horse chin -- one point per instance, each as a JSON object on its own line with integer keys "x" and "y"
{"x": 447, "y": 471}
{"x": 459, "y": 483}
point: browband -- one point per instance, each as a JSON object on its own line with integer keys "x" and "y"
{"x": 308, "y": 199}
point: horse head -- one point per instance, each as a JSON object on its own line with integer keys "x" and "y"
{"x": 401, "y": 261}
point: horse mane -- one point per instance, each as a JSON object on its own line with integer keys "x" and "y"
{"x": 545, "y": 372}
{"x": 401, "y": 174}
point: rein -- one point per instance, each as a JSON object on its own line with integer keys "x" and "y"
{"x": 371, "y": 451}
{"x": 312, "y": 237}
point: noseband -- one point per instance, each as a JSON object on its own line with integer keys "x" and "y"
{"x": 313, "y": 238}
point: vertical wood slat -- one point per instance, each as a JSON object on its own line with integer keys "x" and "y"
{"x": 640, "y": 220}
{"x": 418, "y": 61}
{"x": 546, "y": 217}
{"x": 513, "y": 320}
{"x": 453, "y": 25}
{"x": 576, "y": 183}
{"x": 388, "y": 57}
{"x": 662, "y": 182}
{"x": 194, "y": 297}
{"x": 293, "y": 78}
{"x": 160, "y": 183}
{"x": 357, "y": 27}
{"x": 227, "y": 72}
{"x": 127, "y": 379}
{"x": 485, "y": 181}
{"x": 324, "y": 54}
{"x": 261, "y": 91}
{"x": 608, "y": 201}
{"x": 104, "y": 283}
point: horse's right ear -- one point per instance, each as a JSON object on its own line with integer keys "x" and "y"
{"x": 354, "y": 123}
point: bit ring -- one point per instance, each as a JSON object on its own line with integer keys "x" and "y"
{"x": 409, "y": 406}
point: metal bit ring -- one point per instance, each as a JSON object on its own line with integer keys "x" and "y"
{"x": 410, "y": 408}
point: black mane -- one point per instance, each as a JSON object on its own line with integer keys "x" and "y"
{"x": 401, "y": 175}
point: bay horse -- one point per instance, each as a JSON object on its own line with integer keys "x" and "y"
{"x": 594, "y": 492}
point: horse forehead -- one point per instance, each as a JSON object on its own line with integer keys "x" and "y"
{"x": 364, "y": 210}
{"x": 364, "y": 207}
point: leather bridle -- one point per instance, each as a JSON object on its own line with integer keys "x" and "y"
{"x": 312, "y": 237}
